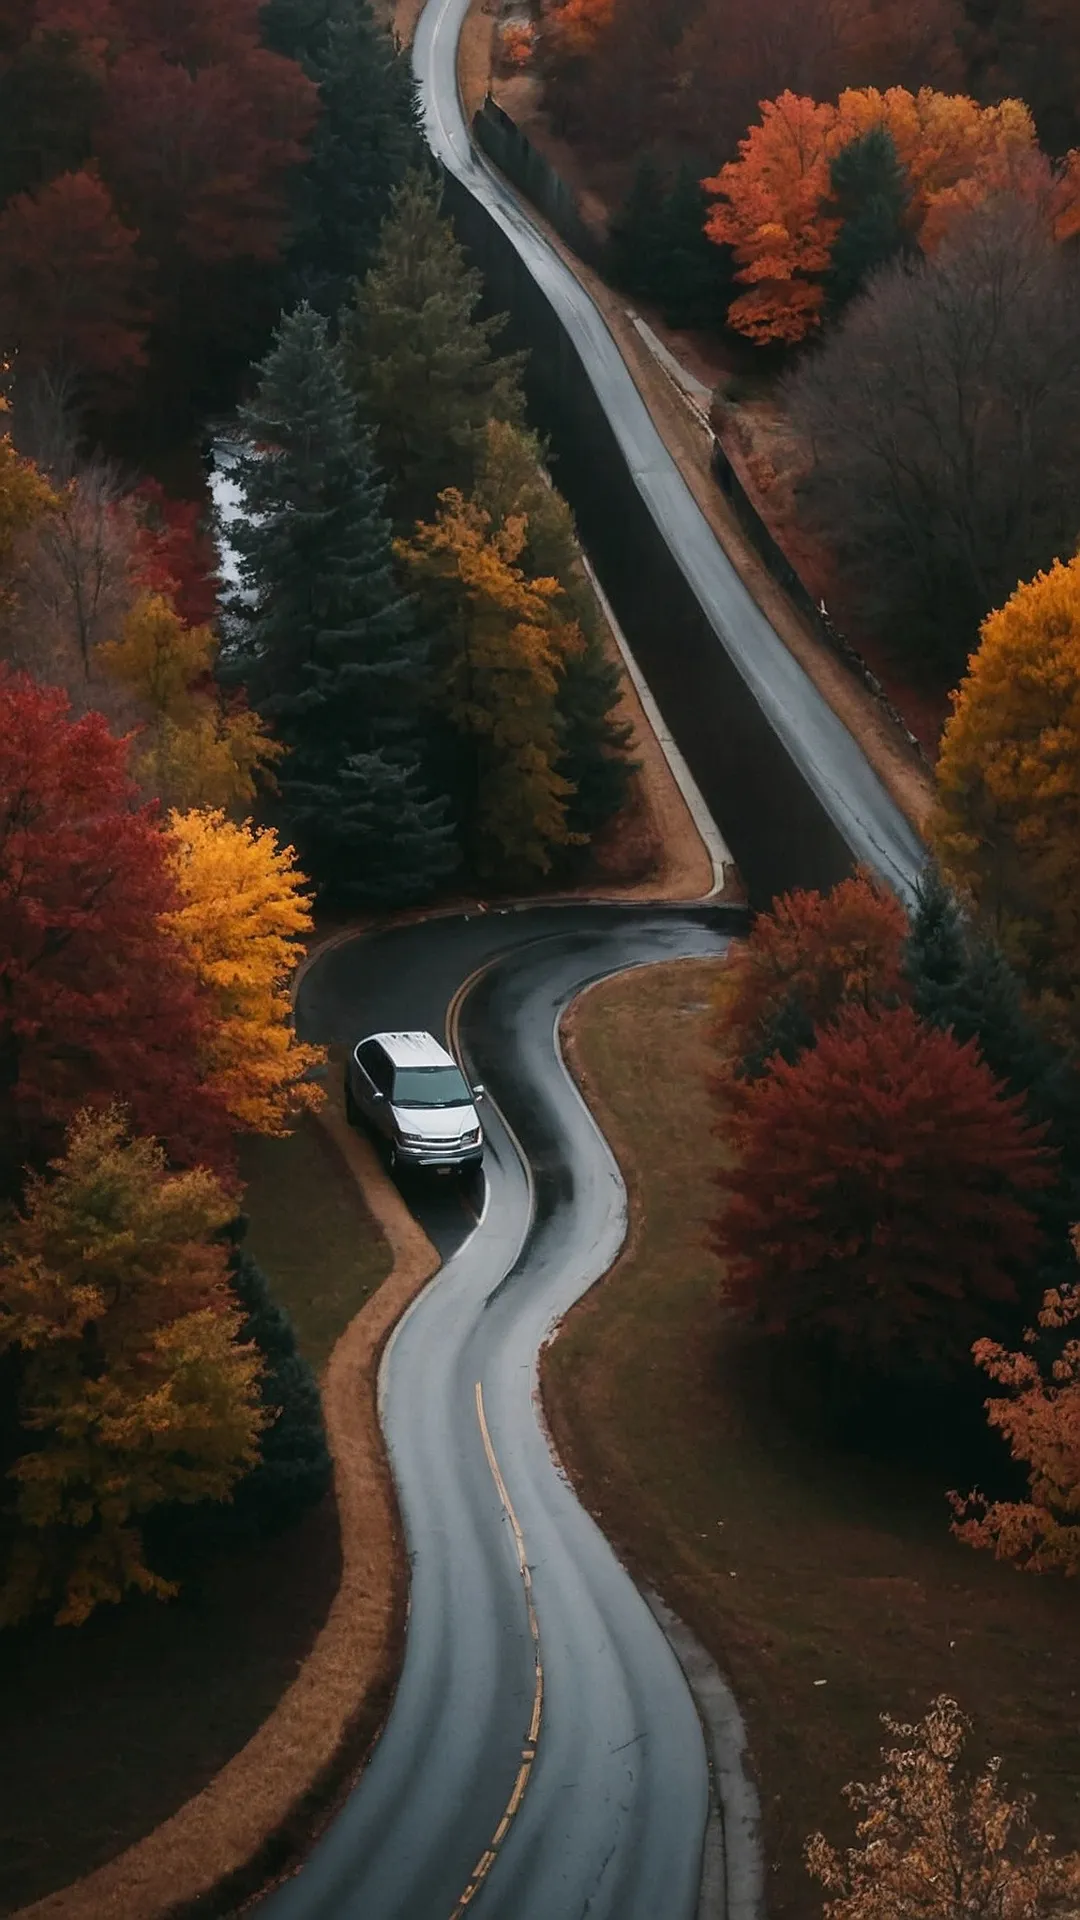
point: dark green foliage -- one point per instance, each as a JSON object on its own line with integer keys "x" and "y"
{"x": 297, "y": 28}
{"x": 329, "y": 650}
{"x": 871, "y": 194}
{"x": 595, "y": 743}
{"x": 49, "y": 94}
{"x": 637, "y": 239}
{"x": 294, "y": 1471}
{"x": 962, "y": 981}
{"x": 659, "y": 251}
{"x": 420, "y": 364}
{"x": 366, "y": 139}
{"x": 789, "y": 1032}
{"x": 699, "y": 281}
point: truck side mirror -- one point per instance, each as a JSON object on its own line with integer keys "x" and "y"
{"x": 478, "y": 1093}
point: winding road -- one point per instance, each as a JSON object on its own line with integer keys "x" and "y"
{"x": 543, "y": 1759}
{"x": 819, "y": 744}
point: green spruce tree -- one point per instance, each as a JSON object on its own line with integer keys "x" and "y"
{"x": 419, "y": 362}
{"x": 961, "y": 981}
{"x": 330, "y": 651}
{"x": 698, "y": 283}
{"x": 294, "y": 1469}
{"x": 512, "y": 479}
{"x": 638, "y": 247}
{"x": 871, "y": 195}
{"x": 366, "y": 139}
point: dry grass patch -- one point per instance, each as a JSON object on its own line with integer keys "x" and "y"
{"x": 794, "y": 1562}
{"x": 311, "y": 1233}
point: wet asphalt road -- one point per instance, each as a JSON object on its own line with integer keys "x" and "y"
{"x": 816, "y": 740}
{"x": 536, "y": 1681}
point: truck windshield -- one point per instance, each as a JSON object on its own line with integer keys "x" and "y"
{"x": 430, "y": 1087}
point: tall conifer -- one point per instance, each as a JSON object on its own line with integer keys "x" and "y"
{"x": 330, "y": 651}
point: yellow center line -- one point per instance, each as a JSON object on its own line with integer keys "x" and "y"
{"x": 528, "y": 1752}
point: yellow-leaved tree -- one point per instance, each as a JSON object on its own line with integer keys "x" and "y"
{"x": 133, "y": 1389}
{"x": 935, "y": 1841}
{"x": 244, "y": 907}
{"x": 198, "y": 750}
{"x": 1007, "y": 824}
{"x": 502, "y": 648}
{"x": 24, "y": 495}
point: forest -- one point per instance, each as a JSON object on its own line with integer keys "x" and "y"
{"x": 220, "y": 223}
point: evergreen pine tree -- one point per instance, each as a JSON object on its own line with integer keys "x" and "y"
{"x": 297, "y": 28}
{"x": 638, "y": 249}
{"x": 698, "y": 281}
{"x": 419, "y": 362}
{"x": 961, "y": 981}
{"x": 366, "y": 139}
{"x": 871, "y": 194}
{"x": 330, "y": 651}
{"x": 294, "y": 1470}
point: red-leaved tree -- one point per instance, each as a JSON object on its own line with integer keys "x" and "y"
{"x": 97, "y": 1001}
{"x": 176, "y": 555}
{"x": 68, "y": 280}
{"x": 878, "y": 1205}
{"x": 811, "y": 955}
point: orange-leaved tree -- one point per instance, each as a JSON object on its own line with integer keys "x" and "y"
{"x": 809, "y": 956}
{"x": 773, "y": 205}
{"x": 878, "y": 1208}
{"x": 132, "y": 1387}
{"x": 243, "y": 913}
{"x": 503, "y": 648}
{"x": 1007, "y": 823}
{"x": 1040, "y": 1418}
{"x": 771, "y": 209}
{"x": 937, "y": 1841}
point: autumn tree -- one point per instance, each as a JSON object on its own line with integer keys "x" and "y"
{"x": 25, "y": 496}
{"x": 175, "y": 554}
{"x": 1007, "y": 826}
{"x": 69, "y": 284}
{"x": 74, "y": 577}
{"x": 1039, "y": 1418}
{"x": 242, "y": 913}
{"x": 936, "y": 1841}
{"x": 420, "y": 363}
{"x": 199, "y": 142}
{"x": 50, "y": 91}
{"x": 777, "y": 208}
{"x": 196, "y": 749}
{"x": 770, "y": 209}
{"x": 879, "y": 1208}
{"x": 941, "y": 486}
{"x": 803, "y": 962}
{"x": 133, "y": 1388}
{"x": 330, "y": 651}
{"x": 366, "y": 139}
{"x": 96, "y": 999}
{"x": 500, "y": 658}
{"x": 512, "y": 483}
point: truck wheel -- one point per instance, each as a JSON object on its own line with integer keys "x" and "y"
{"x": 352, "y": 1111}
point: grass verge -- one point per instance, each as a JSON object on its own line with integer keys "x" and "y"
{"x": 111, "y": 1727}
{"x": 324, "y": 1260}
{"x": 826, "y": 1585}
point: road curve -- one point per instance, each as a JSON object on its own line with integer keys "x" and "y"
{"x": 543, "y": 1759}
{"x": 816, "y": 740}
